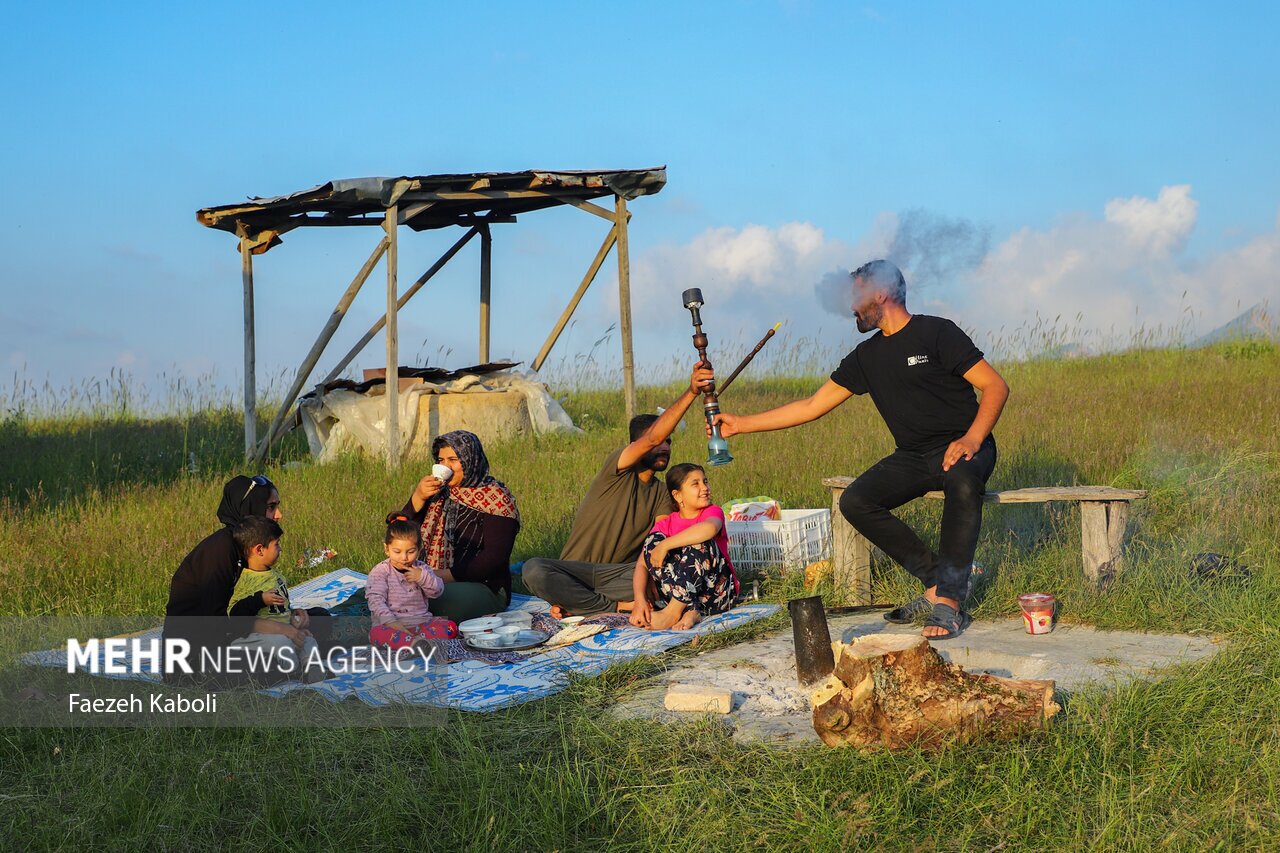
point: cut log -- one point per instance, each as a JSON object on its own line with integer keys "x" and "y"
{"x": 893, "y": 690}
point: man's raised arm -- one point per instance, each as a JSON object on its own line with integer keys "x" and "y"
{"x": 792, "y": 414}
{"x": 661, "y": 429}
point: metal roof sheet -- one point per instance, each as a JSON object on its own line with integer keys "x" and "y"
{"x": 457, "y": 199}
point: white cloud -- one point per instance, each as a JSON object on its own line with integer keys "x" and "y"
{"x": 751, "y": 276}
{"x": 1158, "y": 226}
{"x": 1108, "y": 278}
{"x": 1101, "y": 278}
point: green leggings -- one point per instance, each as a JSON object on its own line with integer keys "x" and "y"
{"x": 463, "y": 600}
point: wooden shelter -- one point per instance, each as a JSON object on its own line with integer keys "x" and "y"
{"x": 473, "y": 201}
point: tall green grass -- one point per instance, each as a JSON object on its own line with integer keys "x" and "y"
{"x": 1189, "y": 760}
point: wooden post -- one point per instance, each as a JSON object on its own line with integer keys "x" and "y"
{"x": 250, "y": 354}
{"x": 850, "y": 555}
{"x": 1102, "y": 526}
{"x": 609, "y": 240}
{"x": 624, "y": 307}
{"x": 408, "y": 294}
{"x": 309, "y": 363}
{"x": 486, "y": 253}
{"x": 390, "y": 222}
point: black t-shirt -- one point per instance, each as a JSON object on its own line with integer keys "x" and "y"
{"x": 916, "y": 379}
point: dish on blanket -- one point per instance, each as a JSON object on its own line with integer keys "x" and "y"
{"x": 526, "y": 638}
{"x": 476, "y": 627}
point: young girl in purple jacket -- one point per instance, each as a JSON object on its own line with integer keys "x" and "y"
{"x": 398, "y": 590}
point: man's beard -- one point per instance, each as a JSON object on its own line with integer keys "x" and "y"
{"x": 656, "y": 460}
{"x": 869, "y": 319}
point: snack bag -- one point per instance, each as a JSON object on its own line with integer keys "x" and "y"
{"x": 762, "y": 508}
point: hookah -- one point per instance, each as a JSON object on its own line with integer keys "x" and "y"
{"x": 717, "y": 447}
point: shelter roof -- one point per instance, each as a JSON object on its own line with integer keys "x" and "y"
{"x": 459, "y": 199}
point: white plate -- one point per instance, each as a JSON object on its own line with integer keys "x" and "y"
{"x": 480, "y": 625}
{"x": 526, "y": 639}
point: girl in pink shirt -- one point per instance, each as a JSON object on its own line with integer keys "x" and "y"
{"x": 398, "y": 589}
{"x": 684, "y": 572}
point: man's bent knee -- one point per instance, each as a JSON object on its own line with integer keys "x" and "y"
{"x": 535, "y": 573}
{"x": 854, "y": 505}
{"x": 963, "y": 486}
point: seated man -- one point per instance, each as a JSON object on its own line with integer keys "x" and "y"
{"x": 594, "y": 572}
{"x": 923, "y": 375}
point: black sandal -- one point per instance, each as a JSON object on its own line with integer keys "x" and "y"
{"x": 948, "y": 618}
{"x": 907, "y": 613}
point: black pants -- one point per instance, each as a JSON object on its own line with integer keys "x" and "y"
{"x": 905, "y": 476}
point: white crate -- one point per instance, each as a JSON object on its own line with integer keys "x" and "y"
{"x": 798, "y": 539}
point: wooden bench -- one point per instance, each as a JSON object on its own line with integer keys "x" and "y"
{"x": 1104, "y": 512}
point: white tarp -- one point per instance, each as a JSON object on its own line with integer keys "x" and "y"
{"x": 344, "y": 420}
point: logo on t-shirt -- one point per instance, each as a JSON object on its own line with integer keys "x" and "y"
{"x": 913, "y": 360}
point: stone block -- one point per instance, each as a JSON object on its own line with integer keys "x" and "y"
{"x": 698, "y": 698}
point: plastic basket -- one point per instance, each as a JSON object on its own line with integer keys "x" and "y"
{"x": 799, "y": 538}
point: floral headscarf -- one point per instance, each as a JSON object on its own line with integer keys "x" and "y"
{"x": 446, "y": 519}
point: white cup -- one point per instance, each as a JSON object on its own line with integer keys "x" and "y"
{"x": 443, "y": 473}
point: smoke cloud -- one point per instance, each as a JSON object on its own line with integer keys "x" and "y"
{"x": 932, "y": 250}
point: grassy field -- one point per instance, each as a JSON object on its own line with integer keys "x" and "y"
{"x": 97, "y": 512}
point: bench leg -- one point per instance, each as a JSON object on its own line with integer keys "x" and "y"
{"x": 850, "y": 556}
{"x": 1102, "y": 525}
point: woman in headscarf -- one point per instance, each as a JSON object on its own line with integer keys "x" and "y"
{"x": 200, "y": 591}
{"x": 469, "y": 527}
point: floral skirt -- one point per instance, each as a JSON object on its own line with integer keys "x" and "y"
{"x": 698, "y": 576}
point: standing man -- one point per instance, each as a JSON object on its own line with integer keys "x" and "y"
{"x": 595, "y": 569}
{"x": 921, "y": 373}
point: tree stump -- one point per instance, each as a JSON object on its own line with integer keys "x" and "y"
{"x": 894, "y": 690}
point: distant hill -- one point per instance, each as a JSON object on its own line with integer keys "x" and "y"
{"x": 1256, "y": 323}
{"x": 1071, "y": 349}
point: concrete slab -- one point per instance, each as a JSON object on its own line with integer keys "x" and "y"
{"x": 770, "y": 706}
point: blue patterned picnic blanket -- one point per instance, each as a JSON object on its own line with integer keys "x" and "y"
{"x": 473, "y": 685}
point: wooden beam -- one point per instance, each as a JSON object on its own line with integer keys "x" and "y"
{"x": 413, "y": 210}
{"x": 624, "y": 308}
{"x": 486, "y": 270}
{"x": 583, "y": 204}
{"x": 483, "y": 195}
{"x": 332, "y": 221}
{"x": 393, "y": 351}
{"x": 609, "y": 240}
{"x": 1102, "y": 526}
{"x": 250, "y": 354}
{"x": 850, "y": 556}
{"x": 1038, "y": 494}
{"x": 309, "y": 363}
{"x": 405, "y": 297}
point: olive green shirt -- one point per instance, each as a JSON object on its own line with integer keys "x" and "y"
{"x": 616, "y": 515}
{"x": 253, "y": 583}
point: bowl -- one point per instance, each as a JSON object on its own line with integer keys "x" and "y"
{"x": 508, "y": 635}
{"x": 570, "y": 621}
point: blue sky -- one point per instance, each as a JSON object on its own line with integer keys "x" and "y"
{"x": 1108, "y": 160}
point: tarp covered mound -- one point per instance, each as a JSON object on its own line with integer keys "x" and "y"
{"x": 473, "y": 685}
{"x": 352, "y": 419}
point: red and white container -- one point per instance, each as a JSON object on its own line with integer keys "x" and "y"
{"x": 1037, "y": 612}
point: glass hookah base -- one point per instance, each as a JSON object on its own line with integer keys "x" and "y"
{"x": 719, "y": 457}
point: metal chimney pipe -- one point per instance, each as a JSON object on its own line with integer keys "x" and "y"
{"x": 814, "y": 660}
